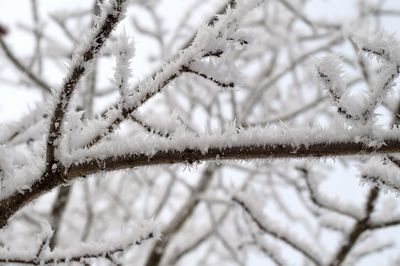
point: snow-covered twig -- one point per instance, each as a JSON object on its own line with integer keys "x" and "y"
{"x": 157, "y": 252}
{"x": 372, "y": 247}
{"x": 330, "y": 73}
{"x": 358, "y": 229}
{"x": 83, "y": 56}
{"x": 209, "y": 41}
{"x": 326, "y": 203}
{"x": 38, "y": 81}
{"x": 85, "y": 53}
{"x": 274, "y": 229}
{"x": 31, "y": 126}
{"x": 82, "y": 252}
{"x": 383, "y": 174}
{"x": 124, "y": 54}
{"x": 217, "y": 82}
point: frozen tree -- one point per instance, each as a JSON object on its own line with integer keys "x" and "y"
{"x": 200, "y": 133}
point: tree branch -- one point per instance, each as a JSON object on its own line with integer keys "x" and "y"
{"x": 80, "y": 65}
{"x": 22, "y": 68}
{"x": 284, "y": 237}
{"x": 359, "y": 228}
{"x": 81, "y": 255}
{"x": 172, "y": 155}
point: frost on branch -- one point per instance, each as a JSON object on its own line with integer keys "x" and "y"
{"x": 323, "y": 201}
{"x": 330, "y": 70}
{"x": 203, "y": 129}
{"x": 31, "y": 127}
{"x": 224, "y": 76}
{"x": 360, "y": 108}
{"x": 108, "y": 249}
{"x": 18, "y": 170}
{"x": 381, "y": 44}
{"x": 82, "y": 58}
{"x": 330, "y": 74}
{"x": 219, "y": 41}
{"x": 382, "y": 173}
{"x": 93, "y": 42}
{"x": 125, "y": 51}
{"x": 370, "y": 246}
{"x": 385, "y": 48}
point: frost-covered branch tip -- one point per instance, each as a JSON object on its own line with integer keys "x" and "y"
{"x": 125, "y": 51}
{"x": 362, "y": 108}
{"x": 382, "y": 173}
{"x": 83, "y": 56}
{"x": 330, "y": 74}
{"x": 382, "y": 45}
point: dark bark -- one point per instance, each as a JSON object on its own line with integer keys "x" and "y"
{"x": 47, "y": 182}
{"x": 57, "y": 212}
{"x": 359, "y": 228}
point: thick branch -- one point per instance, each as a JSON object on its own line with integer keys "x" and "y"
{"x": 245, "y": 152}
{"x": 13, "y": 203}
